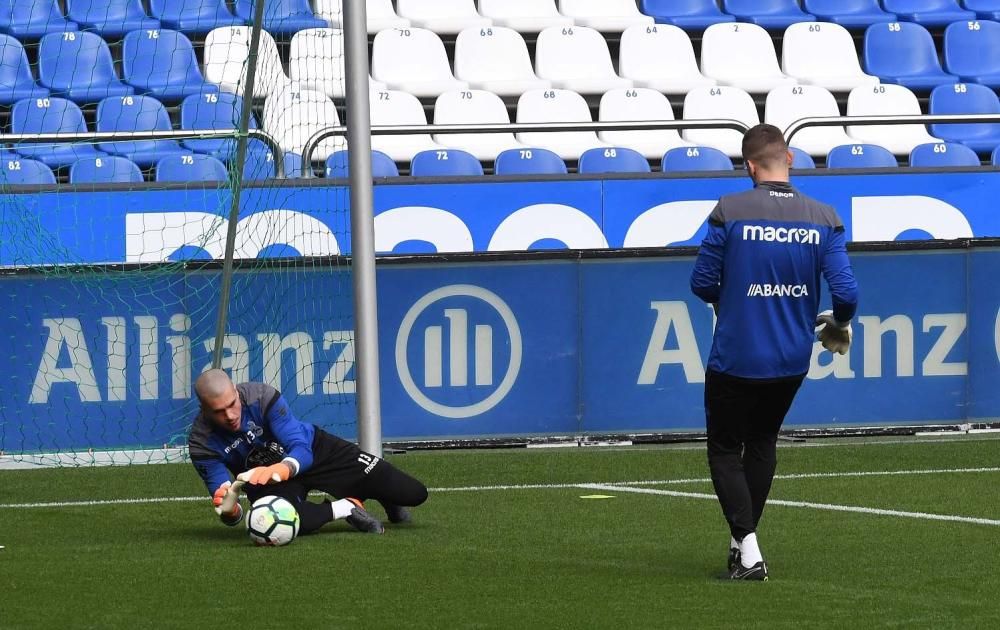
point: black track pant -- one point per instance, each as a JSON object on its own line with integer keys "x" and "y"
{"x": 743, "y": 419}
{"x": 342, "y": 470}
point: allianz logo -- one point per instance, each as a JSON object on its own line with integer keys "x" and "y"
{"x": 778, "y": 290}
{"x": 771, "y": 234}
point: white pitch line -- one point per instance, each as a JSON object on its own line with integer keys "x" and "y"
{"x": 802, "y": 504}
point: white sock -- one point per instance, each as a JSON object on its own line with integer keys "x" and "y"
{"x": 342, "y": 508}
{"x": 733, "y": 543}
{"x": 749, "y": 551}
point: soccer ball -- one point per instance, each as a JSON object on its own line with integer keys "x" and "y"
{"x": 272, "y": 521}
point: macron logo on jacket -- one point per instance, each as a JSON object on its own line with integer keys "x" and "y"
{"x": 771, "y": 234}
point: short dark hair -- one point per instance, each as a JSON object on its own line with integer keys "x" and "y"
{"x": 765, "y": 145}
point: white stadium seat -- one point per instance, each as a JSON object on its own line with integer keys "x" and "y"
{"x": 474, "y": 107}
{"x": 495, "y": 59}
{"x": 787, "y": 104}
{"x": 392, "y": 107}
{"x": 316, "y": 61}
{"x": 380, "y": 14}
{"x": 446, "y": 17}
{"x": 413, "y": 60}
{"x": 604, "y": 15}
{"x": 660, "y": 57}
{"x": 823, "y": 54}
{"x": 882, "y": 100}
{"x": 226, "y": 52}
{"x": 524, "y": 16}
{"x": 719, "y": 102}
{"x": 741, "y": 55}
{"x": 576, "y": 58}
{"x": 639, "y": 104}
{"x": 556, "y": 106}
{"x": 294, "y": 115}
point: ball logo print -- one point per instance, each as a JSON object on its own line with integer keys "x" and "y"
{"x": 456, "y": 334}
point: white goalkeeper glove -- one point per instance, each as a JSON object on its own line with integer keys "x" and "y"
{"x": 835, "y": 336}
{"x": 227, "y": 498}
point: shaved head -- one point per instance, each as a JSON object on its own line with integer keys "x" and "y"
{"x": 220, "y": 401}
{"x": 212, "y": 384}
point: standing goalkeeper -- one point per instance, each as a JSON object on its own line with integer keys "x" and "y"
{"x": 249, "y": 428}
{"x": 760, "y": 266}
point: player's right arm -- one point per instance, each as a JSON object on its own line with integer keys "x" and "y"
{"x": 840, "y": 276}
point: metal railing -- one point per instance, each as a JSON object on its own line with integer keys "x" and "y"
{"x": 920, "y": 119}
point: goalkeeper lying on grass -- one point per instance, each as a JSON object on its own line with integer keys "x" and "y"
{"x": 248, "y": 431}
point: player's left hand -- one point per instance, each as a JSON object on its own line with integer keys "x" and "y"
{"x": 263, "y": 475}
{"x": 835, "y": 336}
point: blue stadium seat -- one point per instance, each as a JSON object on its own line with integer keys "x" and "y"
{"x": 995, "y": 156}
{"x": 16, "y": 81}
{"x": 382, "y": 165}
{"x": 190, "y": 167}
{"x": 110, "y": 18}
{"x": 162, "y": 63}
{"x": 612, "y": 160}
{"x": 213, "y": 111}
{"x": 861, "y": 156}
{"x": 31, "y": 19}
{"x": 943, "y": 154}
{"x": 801, "y": 159}
{"x": 445, "y": 163}
{"x": 23, "y": 171}
{"x": 985, "y": 9}
{"x": 904, "y": 53}
{"x": 529, "y": 162}
{"x": 770, "y": 14}
{"x": 695, "y": 159}
{"x": 849, "y": 13}
{"x": 972, "y": 51}
{"x": 966, "y": 98}
{"x": 259, "y": 162}
{"x": 50, "y": 115}
{"x": 79, "y": 67}
{"x": 928, "y": 12}
{"x": 110, "y": 169}
{"x": 193, "y": 16}
{"x": 282, "y": 17}
{"x": 136, "y": 113}
{"x": 695, "y": 15}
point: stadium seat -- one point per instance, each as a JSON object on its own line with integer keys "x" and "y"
{"x": 985, "y": 9}
{"x": 16, "y": 81}
{"x": 531, "y": 161}
{"x": 741, "y": 55}
{"x": 193, "y": 17}
{"x": 110, "y": 18}
{"x": 563, "y": 106}
{"x": 78, "y": 65}
{"x": 294, "y": 116}
{"x": 660, "y": 57}
{"x": 823, "y": 54}
{"x": 904, "y": 53}
{"x": 495, "y": 59}
{"x": 695, "y": 159}
{"x": 108, "y": 169}
{"x": 445, "y": 17}
{"x": 887, "y": 100}
{"x": 774, "y": 15}
{"x": 213, "y": 111}
{"x": 191, "y": 167}
{"x": 995, "y": 156}
{"x": 943, "y": 154}
{"x": 413, "y": 60}
{"x": 694, "y": 15}
{"x": 259, "y": 162}
{"x": 972, "y": 52}
{"x": 445, "y": 163}
{"x": 162, "y": 63}
{"x": 474, "y": 107}
{"x": 785, "y": 105}
{"x": 524, "y": 16}
{"x": 337, "y": 165}
{"x": 639, "y": 104}
{"x": 849, "y": 13}
{"x": 612, "y": 160}
{"x": 576, "y": 58}
{"x": 316, "y": 61}
{"x": 861, "y": 156}
{"x": 930, "y": 13}
{"x": 393, "y": 107}
{"x": 24, "y": 172}
{"x": 31, "y": 19}
{"x": 604, "y": 15}
{"x": 379, "y": 13}
{"x": 50, "y": 115}
{"x": 801, "y": 159}
{"x": 226, "y": 53}
{"x": 281, "y": 17}
{"x": 967, "y": 98}
{"x": 719, "y": 102}
{"x": 136, "y": 113}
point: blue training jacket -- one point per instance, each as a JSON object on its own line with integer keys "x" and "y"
{"x": 761, "y": 262}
